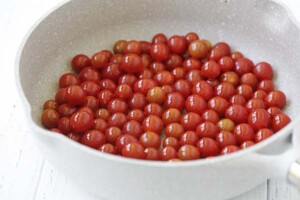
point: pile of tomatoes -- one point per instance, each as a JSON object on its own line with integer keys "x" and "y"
{"x": 170, "y": 99}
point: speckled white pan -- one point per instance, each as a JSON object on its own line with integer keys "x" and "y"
{"x": 262, "y": 29}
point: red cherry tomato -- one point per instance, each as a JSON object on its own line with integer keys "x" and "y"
{"x": 237, "y": 113}
{"x": 131, "y": 63}
{"x": 243, "y": 132}
{"x": 153, "y": 123}
{"x": 93, "y": 139}
{"x": 279, "y": 121}
{"x": 133, "y": 128}
{"x": 81, "y": 121}
{"x": 188, "y": 152}
{"x": 208, "y": 147}
{"x": 190, "y": 121}
{"x": 159, "y": 52}
{"x": 207, "y": 130}
{"x": 229, "y": 149}
{"x": 172, "y": 142}
{"x": 50, "y": 118}
{"x": 263, "y": 134}
{"x": 150, "y": 139}
{"x": 276, "y": 98}
{"x": 79, "y": 62}
{"x": 134, "y": 150}
{"x": 177, "y": 44}
{"x": 263, "y": 71}
{"x": 259, "y": 118}
{"x": 225, "y": 138}
{"x": 210, "y": 69}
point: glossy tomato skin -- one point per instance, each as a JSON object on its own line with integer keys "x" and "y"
{"x": 153, "y": 109}
{"x": 177, "y": 44}
{"x": 225, "y": 138}
{"x": 136, "y": 114}
{"x": 229, "y": 149}
{"x": 104, "y": 97}
{"x": 210, "y": 69}
{"x": 159, "y": 38}
{"x": 100, "y": 125}
{"x": 138, "y": 101}
{"x": 174, "y": 130}
{"x": 153, "y": 123}
{"x": 195, "y": 103}
{"x": 188, "y": 152}
{"x": 266, "y": 85}
{"x": 117, "y": 106}
{"x": 81, "y": 121}
{"x": 150, "y": 139}
{"x": 134, "y": 150}
{"x": 171, "y": 115}
{"x": 243, "y": 132}
{"x": 226, "y": 63}
{"x": 243, "y": 66}
{"x": 112, "y": 71}
{"x": 246, "y": 144}
{"x": 174, "y": 100}
{"x": 198, "y": 49}
{"x": 211, "y": 116}
{"x": 263, "y": 71}
{"x": 238, "y": 99}
{"x": 89, "y": 74}
{"x": 129, "y": 79}
{"x": 193, "y": 76}
{"x": 131, "y": 63}
{"x": 183, "y": 86}
{"x": 123, "y": 140}
{"x": 168, "y": 153}
{"x": 218, "y": 104}
{"x": 93, "y": 139}
{"x": 159, "y": 52}
{"x": 108, "y": 148}
{"x": 203, "y": 89}
{"x": 237, "y": 113}
{"x": 133, "y": 128}
{"x": 68, "y": 79}
{"x": 100, "y": 59}
{"x": 259, "y": 118}
{"x": 79, "y": 62}
{"x": 133, "y": 47}
{"x": 118, "y": 47}
{"x": 172, "y": 142}
{"x": 225, "y": 124}
{"x": 75, "y": 95}
{"x": 91, "y": 88}
{"x": 279, "y": 121}
{"x": 208, "y": 147}
{"x": 190, "y": 121}
{"x": 117, "y": 119}
{"x": 50, "y": 104}
{"x": 191, "y": 36}
{"x": 263, "y": 134}
{"x": 249, "y": 79}
{"x": 66, "y": 110}
{"x": 156, "y": 95}
{"x": 152, "y": 154}
{"x": 50, "y": 118}
{"x": 189, "y": 137}
{"x": 191, "y": 64}
{"x": 276, "y": 98}
{"x": 112, "y": 133}
{"x": 225, "y": 90}
{"x": 230, "y": 77}
{"x": 207, "y": 130}
{"x": 144, "y": 85}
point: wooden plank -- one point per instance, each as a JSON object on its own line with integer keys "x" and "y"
{"x": 281, "y": 190}
{"x": 259, "y": 193}
{"x": 21, "y": 163}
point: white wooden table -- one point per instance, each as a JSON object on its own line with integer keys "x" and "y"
{"x": 24, "y": 172}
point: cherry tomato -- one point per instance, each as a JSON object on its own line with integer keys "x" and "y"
{"x": 189, "y": 137}
{"x": 279, "y": 121}
{"x": 178, "y": 73}
{"x": 210, "y": 116}
{"x": 102, "y": 113}
{"x": 164, "y": 78}
{"x": 255, "y": 103}
{"x": 75, "y": 95}
{"x": 108, "y": 148}
{"x": 131, "y": 63}
{"x": 129, "y": 79}
{"x": 91, "y": 88}
{"x": 260, "y": 94}
{"x": 207, "y": 130}
{"x": 159, "y": 38}
{"x": 112, "y": 133}
{"x": 104, "y": 97}
{"x": 171, "y": 115}
{"x": 157, "y": 66}
{"x": 177, "y": 44}
{"x": 117, "y": 105}
{"x": 50, "y": 118}
{"x": 188, "y": 152}
{"x": 203, "y": 89}
{"x": 153, "y": 123}
{"x": 198, "y": 49}
{"x": 191, "y": 36}
{"x": 237, "y": 113}
{"x": 218, "y": 104}
{"x": 145, "y": 46}
{"x": 68, "y": 79}
{"x": 263, "y": 71}
{"x": 93, "y": 139}
{"x": 195, "y": 103}
{"x": 225, "y": 124}
{"x": 119, "y": 47}
{"x": 276, "y": 98}
{"x": 112, "y": 71}
{"x": 144, "y": 85}
{"x": 191, "y": 64}
{"x": 225, "y": 138}
{"x": 193, "y": 76}
{"x": 243, "y": 132}
{"x": 174, "y": 100}
{"x": 259, "y": 118}
{"x": 249, "y": 79}
{"x": 117, "y": 119}
{"x": 243, "y": 66}
{"x": 133, "y": 47}
{"x": 168, "y": 153}
{"x": 263, "y": 134}
{"x": 208, "y": 147}
{"x": 174, "y": 130}
{"x": 50, "y": 104}
{"x": 123, "y": 140}
{"x": 190, "y": 121}
{"x": 230, "y": 77}
{"x": 156, "y": 95}
{"x": 236, "y": 55}
{"x": 133, "y": 128}
{"x": 152, "y": 154}
{"x": 89, "y": 74}
{"x": 229, "y": 149}
{"x": 246, "y": 144}
{"x": 159, "y": 52}
{"x": 79, "y": 62}
{"x": 81, "y": 121}
{"x": 150, "y": 139}
{"x": 238, "y": 99}
{"x": 266, "y": 85}
{"x": 138, "y": 101}
{"x": 100, "y": 125}
{"x": 183, "y": 86}
{"x": 153, "y": 109}
{"x": 172, "y": 142}
{"x": 100, "y": 60}
{"x": 226, "y": 63}
{"x": 136, "y": 114}
{"x": 225, "y": 90}
{"x": 210, "y": 69}
{"x": 134, "y": 150}
{"x": 274, "y": 111}
{"x": 245, "y": 90}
